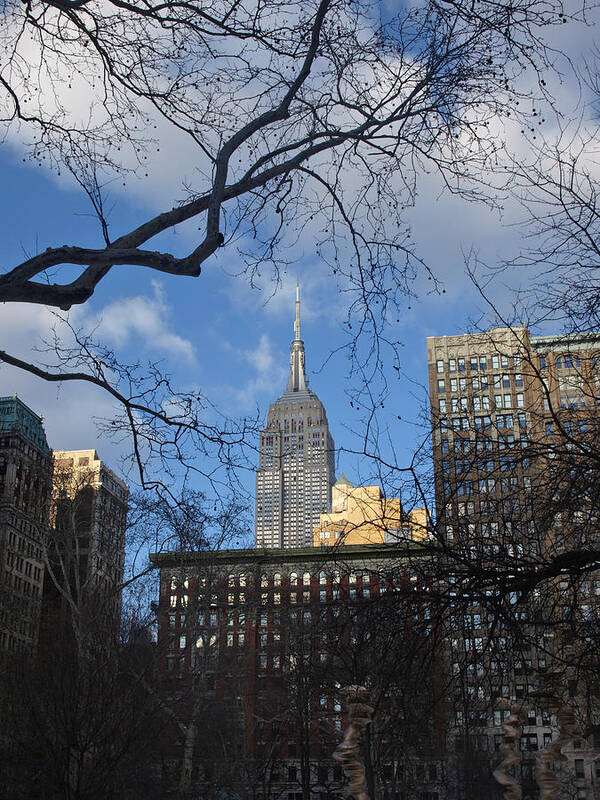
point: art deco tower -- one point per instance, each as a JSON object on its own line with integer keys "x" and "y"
{"x": 296, "y": 461}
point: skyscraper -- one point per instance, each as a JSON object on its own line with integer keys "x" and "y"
{"x": 90, "y": 517}
{"x": 296, "y": 460}
{"x": 25, "y": 481}
{"x": 515, "y": 424}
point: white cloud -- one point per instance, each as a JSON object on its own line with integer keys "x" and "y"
{"x": 144, "y": 317}
{"x": 268, "y": 380}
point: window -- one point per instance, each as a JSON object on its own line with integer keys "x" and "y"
{"x": 506, "y": 381}
{"x": 441, "y": 385}
{"x": 542, "y": 362}
{"x": 582, "y": 426}
{"x": 482, "y": 363}
{"x": 579, "y": 771}
{"x": 549, "y": 427}
{"x": 453, "y": 384}
{"x": 452, "y": 365}
{"x": 520, "y": 400}
{"x": 518, "y": 380}
{"x": 474, "y": 363}
{"x": 442, "y": 406}
{"x": 461, "y": 365}
{"x": 439, "y": 365}
{"x": 495, "y": 362}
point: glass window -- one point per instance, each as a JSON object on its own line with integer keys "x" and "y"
{"x": 453, "y": 385}
{"x": 549, "y": 428}
{"x": 474, "y": 363}
{"x": 439, "y": 365}
{"x": 504, "y": 361}
{"x": 475, "y": 384}
{"x": 442, "y": 405}
{"x": 518, "y": 379}
{"x": 461, "y": 365}
{"x": 520, "y": 400}
{"x": 452, "y": 365}
{"x": 495, "y": 362}
{"x": 542, "y": 362}
{"x": 277, "y": 579}
{"x": 482, "y": 362}
{"x": 506, "y": 381}
{"x": 441, "y": 385}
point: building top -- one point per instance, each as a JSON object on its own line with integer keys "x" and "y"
{"x": 89, "y": 462}
{"x": 317, "y": 555}
{"x": 297, "y": 390}
{"x": 568, "y": 341}
{"x": 15, "y": 414}
{"x": 343, "y": 481}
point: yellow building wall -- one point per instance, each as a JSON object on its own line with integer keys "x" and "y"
{"x": 362, "y": 515}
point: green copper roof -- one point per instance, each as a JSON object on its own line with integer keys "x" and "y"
{"x": 15, "y": 414}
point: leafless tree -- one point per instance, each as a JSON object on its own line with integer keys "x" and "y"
{"x": 311, "y": 120}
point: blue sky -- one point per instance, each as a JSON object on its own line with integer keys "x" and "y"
{"x": 227, "y": 339}
{"x": 216, "y": 332}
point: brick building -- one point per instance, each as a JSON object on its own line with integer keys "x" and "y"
{"x": 515, "y": 431}
{"x": 254, "y": 646}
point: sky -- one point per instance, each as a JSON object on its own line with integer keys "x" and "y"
{"x": 226, "y": 338}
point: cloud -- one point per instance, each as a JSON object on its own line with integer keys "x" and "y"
{"x": 147, "y": 318}
{"x": 266, "y": 381}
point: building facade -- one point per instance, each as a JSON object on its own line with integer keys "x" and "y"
{"x": 25, "y": 483}
{"x": 89, "y": 515}
{"x": 296, "y": 461}
{"x": 255, "y": 647}
{"x": 514, "y": 427}
{"x": 363, "y": 515}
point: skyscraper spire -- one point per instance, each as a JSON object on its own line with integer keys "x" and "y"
{"x": 297, "y": 323}
{"x": 297, "y": 379}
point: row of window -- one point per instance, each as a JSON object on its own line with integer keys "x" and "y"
{"x": 481, "y": 383}
{"x": 479, "y": 363}
{"x": 481, "y": 403}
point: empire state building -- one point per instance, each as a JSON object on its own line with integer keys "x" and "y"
{"x": 296, "y": 461}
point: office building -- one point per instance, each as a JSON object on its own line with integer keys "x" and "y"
{"x": 363, "y": 515}
{"x": 254, "y": 648}
{"x": 296, "y": 460}
{"x": 25, "y": 482}
{"x": 514, "y": 420}
{"x": 89, "y": 512}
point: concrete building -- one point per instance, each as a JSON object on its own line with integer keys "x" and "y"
{"x": 254, "y": 647}
{"x": 25, "y": 481}
{"x": 514, "y": 427}
{"x": 296, "y": 460}
{"x": 89, "y": 510}
{"x": 363, "y": 515}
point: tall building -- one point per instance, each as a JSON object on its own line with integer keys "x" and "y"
{"x": 296, "y": 460}
{"x": 514, "y": 426}
{"x": 25, "y": 481}
{"x": 254, "y": 647}
{"x": 89, "y": 517}
{"x": 363, "y": 515}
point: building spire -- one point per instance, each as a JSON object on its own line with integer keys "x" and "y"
{"x": 297, "y": 379}
{"x": 297, "y": 323}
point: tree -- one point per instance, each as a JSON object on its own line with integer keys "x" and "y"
{"x": 313, "y": 120}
